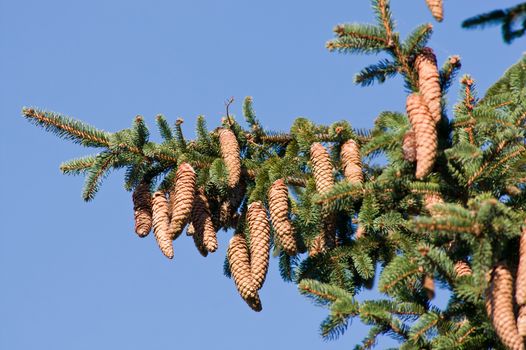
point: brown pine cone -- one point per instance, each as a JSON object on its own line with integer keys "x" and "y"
{"x": 521, "y": 321}
{"x": 351, "y": 162}
{"x": 318, "y": 245}
{"x": 228, "y": 215}
{"x": 142, "y": 207}
{"x": 429, "y": 287}
{"x": 321, "y": 167}
{"x": 409, "y": 146}
{"x": 325, "y": 240}
{"x": 182, "y": 198}
{"x": 437, "y": 9}
{"x": 199, "y": 241}
{"x": 426, "y": 134}
{"x": 430, "y": 199}
{"x": 278, "y": 200}
{"x": 230, "y": 153}
{"x": 202, "y": 222}
{"x": 161, "y": 222}
{"x": 462, "y": 269}
{"x": 429, "y": 82}
{"x": 239, "y": 262}
{"x": 259, "y": 229}
{"x": 502, "y": 315}
{"x": 520, "y": 290}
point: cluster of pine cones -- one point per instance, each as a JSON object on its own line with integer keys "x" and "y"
{"x": 424, "y": 111}
{"x": 186, "y": 205}
{"x": 507, "y": 315}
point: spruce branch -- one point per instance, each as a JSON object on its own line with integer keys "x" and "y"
{"x": 78, "y": 166}
{"x": 378, "y": 72}
{"x": 68, "y": 128}
{"x": 164, "y": 127}
{"x": 508, "y": 19}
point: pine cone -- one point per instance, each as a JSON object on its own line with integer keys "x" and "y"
{"x": 322, "y": 168}
{"x": 437, "y": 9}
{"x": 520, "y": 291}
{"x": 351, "y": 162}
{"x": 409, "y": 146}
{"x": 426, "y": 134}
{"x": 202, "y": 222}
{"x": 182, "y": 198}
{"x": 430, "y": 199}
{"x": 239, "y": 262}
{"x": 502, "y": 315}
{"x": 199, "y": 241}
{"x": 259, "y": 229}
{"x": 161, "y": 222}
{"x": 429, "y": 287}
{"x": 429, "y": 82}
{"x": 325, "y": 240}
{"x": 462, "y": 269}
{"x": 142, "y": 207}
{"x": 278, "y": 200}
{"x": 230, "y": 154}
{"x": 521, "y": 321}
{"x": 228, "y": 215}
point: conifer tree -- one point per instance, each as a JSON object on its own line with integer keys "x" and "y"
{"x": 446, "y": 209}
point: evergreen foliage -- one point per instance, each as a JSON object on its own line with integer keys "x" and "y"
{"x": 470, "y": 208}
{"x": 511, "y": 20}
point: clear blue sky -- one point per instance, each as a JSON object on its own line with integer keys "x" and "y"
{"x": 74, "y": 275}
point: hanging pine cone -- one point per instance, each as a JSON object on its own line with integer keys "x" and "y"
{"x": 430, "y": 199}
{"x": 317, "y": 246}
{"x": 520, "y": 291}
{"x": 230, "y": 153}
{"x": 199, "y": 242}
{"x": 462, "y": 269}
{"x": 161, "y": 222}
{"x": 521, "y": 321}
{"x": 202, "y": 222}
{"x": 429, "y": 287}
{"x": 426, "y": 134}
{"x": 409, "y": 146}
{"x": 142, "y": 207}
{"x": 228, "y": 215}
{"x": 502, "y": 315}
{"x": 259, "y": 229}
{"x": 437, "y": 9}
{"x": 325, "y": 240}
{"x": 182, "y": 198}
{"x": 429, "y": 82}
{"x": 239, "y": 262}
{"x": 321, "y": 167}
{"x": 351, "y": 161}
{"x": 278, "y": 200}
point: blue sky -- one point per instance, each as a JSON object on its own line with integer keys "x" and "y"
{"x": 74, "y": 275}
